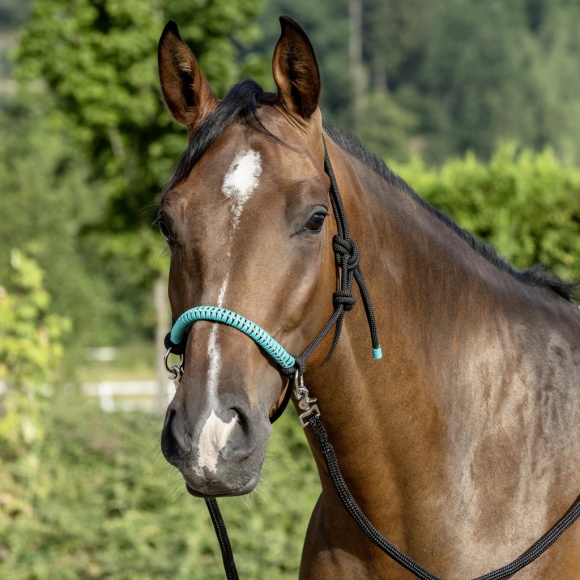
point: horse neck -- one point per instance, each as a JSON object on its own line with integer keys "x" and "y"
{"x": 462, "y": 341}
{"x": 422, "y": 278}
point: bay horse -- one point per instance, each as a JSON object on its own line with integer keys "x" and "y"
{"x": 462, "y": 444}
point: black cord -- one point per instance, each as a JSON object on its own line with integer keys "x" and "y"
{"x": 379, "y": 540}
{"x": 354, "y": 511}
{"x": 224, "y": 541}
{"x": 347, "y": 257}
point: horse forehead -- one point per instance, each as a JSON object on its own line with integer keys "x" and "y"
{"x": 242, "y": 176}
{"x": 245, "y": 162}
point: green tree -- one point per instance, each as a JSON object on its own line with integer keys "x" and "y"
{"x": 557, "y": 71}
{"x": 96, "y": 60}
{"x": 441, "y": 77}
{"x": 44, "y": 192}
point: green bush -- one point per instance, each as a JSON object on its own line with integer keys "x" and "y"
{"x": 30, "y": 350}
{"x": 526, "y": 204}
{"x": 103, "y": 503}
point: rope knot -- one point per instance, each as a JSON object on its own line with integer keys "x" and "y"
{"x": 177, "y": 349}
{"x": 345, "y": 298}
{"x": 346, "y": 247}
{"x": 299, "y": 365}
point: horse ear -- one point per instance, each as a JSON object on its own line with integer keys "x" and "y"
{"x": 186, "y": 92}
{"x": 296, "y": 71}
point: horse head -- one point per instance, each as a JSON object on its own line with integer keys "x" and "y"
{"x": 244, "y": 217}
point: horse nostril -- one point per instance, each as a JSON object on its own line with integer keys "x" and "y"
{"x": 169, "y": 445}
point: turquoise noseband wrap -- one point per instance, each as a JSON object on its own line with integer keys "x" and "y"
{"x": 235, "y": 320}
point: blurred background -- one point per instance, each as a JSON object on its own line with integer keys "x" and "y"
{"x": 475, "y": 104}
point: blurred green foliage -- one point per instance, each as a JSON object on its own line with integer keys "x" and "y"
{"x": 103, "y": 503}
{"x": 438, "y": 77}
{"x": 44, "y": 191}
{"x": 98, "y": 60}
{"x": 455, "y": 74}
{"x": 526, "y": 204}
{"x": 90, "y": 121}
{"x": 30, "y": 350}
{"x": 84, "y": 151}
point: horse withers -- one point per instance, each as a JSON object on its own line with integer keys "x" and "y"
{"x": 462, "y": 444}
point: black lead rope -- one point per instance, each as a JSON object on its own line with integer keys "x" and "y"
{"x": 375, "y": 536}
{"x": 347, "y": 257}
{"x": 224, "y": 541}
{"x": 392, "y": 551}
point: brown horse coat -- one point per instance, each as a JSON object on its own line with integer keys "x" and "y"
{"x": 462, "y": 445}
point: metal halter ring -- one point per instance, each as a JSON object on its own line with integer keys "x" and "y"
{"x": 175, "y": 371}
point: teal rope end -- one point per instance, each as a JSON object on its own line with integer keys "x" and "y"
{"x": 377, "y": 352}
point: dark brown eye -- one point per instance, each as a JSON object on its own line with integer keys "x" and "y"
{"x": 315, "y": 223}
{"x": 164, "y": 231}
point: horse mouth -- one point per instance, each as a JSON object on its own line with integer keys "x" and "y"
{"x": 232, "y": 480}
{"x": 219, "y": 457}
{"x": 209, "y": 494}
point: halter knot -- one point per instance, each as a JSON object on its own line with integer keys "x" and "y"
{"x": 177, "y": 349}
{"x": 345, "y": 298}
{"x": 346, "y": 247}
{"x": 299, "y": 365}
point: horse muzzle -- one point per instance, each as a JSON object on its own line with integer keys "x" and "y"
{"x": 220, "y": 454}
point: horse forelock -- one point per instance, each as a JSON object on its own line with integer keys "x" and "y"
{"x": 240, "y": 103}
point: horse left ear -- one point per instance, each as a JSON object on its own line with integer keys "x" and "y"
{"x": 296, "y": 71}
{"x": 186, "y": 92}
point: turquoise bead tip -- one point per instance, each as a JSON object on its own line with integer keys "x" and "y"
{"x": 377, "y": 352}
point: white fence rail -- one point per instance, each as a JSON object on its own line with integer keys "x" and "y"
{"x": 126, "y": 395}
{"x": 130, "y": 395}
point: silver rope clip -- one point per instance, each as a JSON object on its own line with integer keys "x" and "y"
{"x": 302, "y": 395}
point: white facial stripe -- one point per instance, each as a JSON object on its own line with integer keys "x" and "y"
{"x": 241, "y": 180}
{"x": 213, "y": 350}
{"x": 222, "y": 293}
{"x": 213, "y": 439}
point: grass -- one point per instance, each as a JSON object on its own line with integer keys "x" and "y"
{"x": 96, "y": 499}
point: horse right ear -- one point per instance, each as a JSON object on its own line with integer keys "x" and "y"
{"x": 186, "y": 92}
{"x": 296, "y": 71}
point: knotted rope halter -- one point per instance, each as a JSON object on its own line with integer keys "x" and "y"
{"x": 347, "y": 258}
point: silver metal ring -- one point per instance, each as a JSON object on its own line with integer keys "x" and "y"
{"x": 175, "y": 371}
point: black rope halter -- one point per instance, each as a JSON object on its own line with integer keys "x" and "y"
{"x": 347, "y": 257}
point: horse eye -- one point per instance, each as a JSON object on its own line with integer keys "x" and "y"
{"x": 315, "y": 223}
{"x": 165, "y": 231}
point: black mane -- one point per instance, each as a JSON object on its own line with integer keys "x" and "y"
{"x": 242, "y": 103}
{"x": 535, "y": 276}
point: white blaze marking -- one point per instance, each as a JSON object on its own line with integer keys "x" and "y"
{"x": 241, "y": 180}
{"x": 213, "y": 439}
{"x": 213, "y": 349}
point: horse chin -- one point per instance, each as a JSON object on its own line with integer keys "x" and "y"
{"x": 212, "y": 493}
{"x": 226, "y": 483}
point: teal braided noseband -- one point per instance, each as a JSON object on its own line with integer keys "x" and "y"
{"x": 235, "y": 320}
